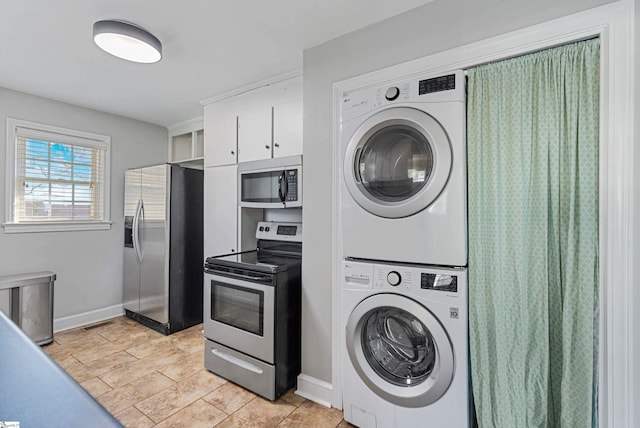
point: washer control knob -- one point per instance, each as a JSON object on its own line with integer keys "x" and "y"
{"x": 392, "y": 93}
{"x": 394, "y": 278}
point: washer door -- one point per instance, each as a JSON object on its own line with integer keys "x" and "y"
{"x": 397, "y": 162}
{"x": 400, "y": 350}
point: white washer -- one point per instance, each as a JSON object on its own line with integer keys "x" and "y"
{"x": 403, "y": 195}
{"x": 405, "y": 355}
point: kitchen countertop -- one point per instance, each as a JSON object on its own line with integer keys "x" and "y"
{"x": 36, "y": 392}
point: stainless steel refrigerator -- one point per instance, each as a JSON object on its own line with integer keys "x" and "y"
{"x": 163, "y": 247}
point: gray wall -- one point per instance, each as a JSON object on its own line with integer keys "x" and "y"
{"x": 428, "y": 29}
{"x": 88, "y": 263}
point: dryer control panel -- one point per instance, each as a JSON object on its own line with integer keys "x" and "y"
{"x": 421, "y": 89}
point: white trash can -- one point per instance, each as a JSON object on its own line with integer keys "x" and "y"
{"x": 31, "y": 303}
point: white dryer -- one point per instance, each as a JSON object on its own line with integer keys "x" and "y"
{"x": 405, "y": 360}
{"x": 403, "y": 195}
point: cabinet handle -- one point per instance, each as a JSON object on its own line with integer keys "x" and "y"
{"x": 266, "y": 146}
{"x": 232, "y": 152}
{"x": 233, "y": 251}
{"x": 277, "y": 145}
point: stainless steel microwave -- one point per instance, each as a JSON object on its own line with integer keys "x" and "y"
{"x": 271, "y": 183}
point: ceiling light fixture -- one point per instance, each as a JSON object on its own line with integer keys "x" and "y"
{"x": 127, "y": 41}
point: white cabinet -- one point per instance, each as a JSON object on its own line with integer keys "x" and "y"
{"x": 258, "y": 124}
{"x": 220, "y": 134}
{"x": 220, "y": 210}
{"x": 186, "y": 141}
{"x": 287, "y": 128}
{"x": 254, "y": 131}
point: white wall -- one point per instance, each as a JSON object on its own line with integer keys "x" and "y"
{"x": 88, "y": 264}
{"x": 428, "y": 29}
{"x": 635, "y": 321}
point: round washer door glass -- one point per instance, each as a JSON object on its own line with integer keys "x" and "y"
{"x": 397, "y": 162}
{"x": 400, "y": 350}
{"x": 398, "y": 346}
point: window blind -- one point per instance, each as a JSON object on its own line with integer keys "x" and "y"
{"x": 58, "y": 178}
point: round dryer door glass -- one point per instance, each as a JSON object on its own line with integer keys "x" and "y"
{"x": 398, "y": 346}
{"x": 395, "y": 163}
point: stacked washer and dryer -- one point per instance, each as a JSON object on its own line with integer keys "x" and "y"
{"x": 404, "y": 240}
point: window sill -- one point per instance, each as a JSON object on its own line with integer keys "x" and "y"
{"x": 55, "y": 226}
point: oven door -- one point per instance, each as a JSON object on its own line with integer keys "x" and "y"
{"x": 239, "y": 313}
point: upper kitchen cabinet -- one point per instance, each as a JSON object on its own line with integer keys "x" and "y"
{"x": 257, "y": 124}
{"x": 220, "y": 133}
{"x": 287, "y": 128}
{"x": 186, "y": 142}
{"x": 254, "y": 130}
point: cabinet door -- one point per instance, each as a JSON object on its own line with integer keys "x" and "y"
{"x": 254, "y": 130}
{"x": 287, "y": 128}
{"x": 220, "y": 134}
{"x": 220, "y": 210}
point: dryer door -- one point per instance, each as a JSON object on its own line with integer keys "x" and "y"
{"x": 397, "y": 162}
{"x": 400, "y": 350}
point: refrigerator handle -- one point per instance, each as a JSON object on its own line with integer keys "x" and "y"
{"x": 136, "y": 240}
{"x": 141, "y": 216}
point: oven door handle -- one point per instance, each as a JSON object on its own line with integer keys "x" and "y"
{"x": 236, "y": 361}
{"x": 265, "y": 279}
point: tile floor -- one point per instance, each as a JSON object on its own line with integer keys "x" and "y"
{"x": 146, "y": 379}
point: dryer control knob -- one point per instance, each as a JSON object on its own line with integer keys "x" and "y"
{"x": 392, "y": 93}
{"x": 394, "y": 278}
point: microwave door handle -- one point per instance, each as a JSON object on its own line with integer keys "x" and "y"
{"x": 283, "y": 187}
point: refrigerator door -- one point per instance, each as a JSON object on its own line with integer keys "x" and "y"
{"x": 131, "y": 277}
{"x": 154, "y": 233}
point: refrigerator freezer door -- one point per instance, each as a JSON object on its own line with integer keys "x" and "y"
{"x": 131, "y": 277}
{"x": 154, "y": 232}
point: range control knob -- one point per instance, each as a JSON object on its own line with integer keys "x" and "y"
{"x": 392, "y": 93}
{"x": 393, "y": 278}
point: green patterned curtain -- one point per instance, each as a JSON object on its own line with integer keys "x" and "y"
{"x": 533, "y": 238}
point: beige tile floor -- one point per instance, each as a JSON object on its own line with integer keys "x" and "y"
{"x": 146, "y": 379}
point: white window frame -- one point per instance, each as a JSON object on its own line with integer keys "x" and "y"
{"x": 64, "y": 135}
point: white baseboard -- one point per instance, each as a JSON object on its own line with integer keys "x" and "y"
{"x": 85, "y": 318}
{"x": 315, "y": 390}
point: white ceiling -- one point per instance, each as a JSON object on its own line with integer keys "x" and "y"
{"x": 209, "y": 47}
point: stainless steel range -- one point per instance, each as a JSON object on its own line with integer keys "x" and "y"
{"x": 252, "y": 312}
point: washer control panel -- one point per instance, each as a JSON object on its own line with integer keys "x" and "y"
{"x": 413, "y": 278}
{"x": 403, "y": 278}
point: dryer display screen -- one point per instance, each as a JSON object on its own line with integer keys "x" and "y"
{"x": 430, "y": 281}
{"x": 437, "y": 84}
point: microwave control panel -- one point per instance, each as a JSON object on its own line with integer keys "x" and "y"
{"x": 292, "y": 185}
